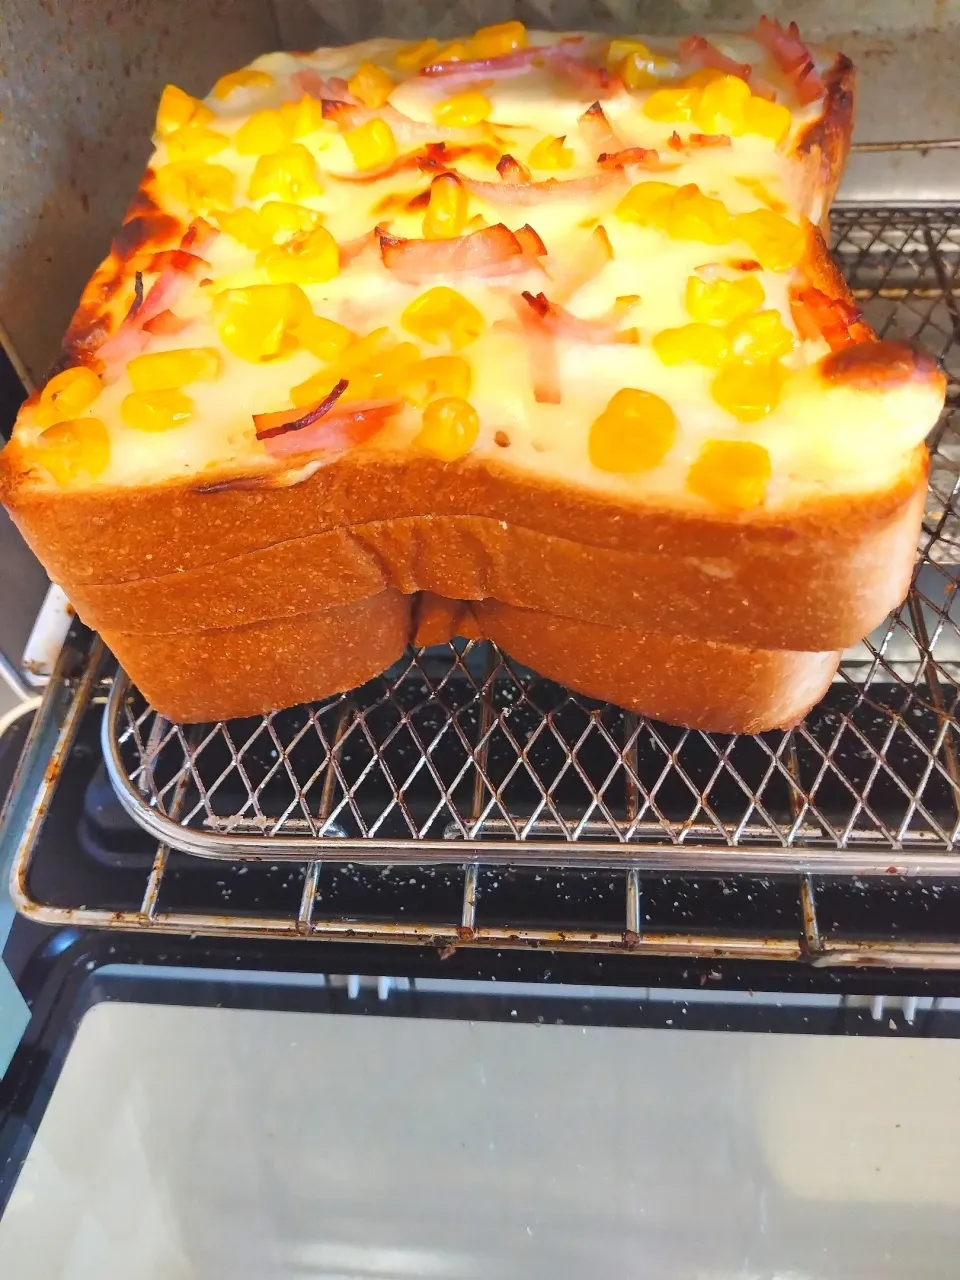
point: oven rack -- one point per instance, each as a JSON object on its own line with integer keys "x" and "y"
{"x": 460, "y": 757}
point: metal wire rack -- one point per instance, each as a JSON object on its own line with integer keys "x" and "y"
{"x": 460, "y": 756}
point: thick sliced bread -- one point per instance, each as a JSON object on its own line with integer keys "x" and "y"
{"x": 253, "y": 668}
{"x": 242, "y": 552}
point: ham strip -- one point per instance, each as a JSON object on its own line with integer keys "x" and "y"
{"x": 492, "y": 251}
{"x": 542, "y": 354}
{"x": 600, "y": 329}
{"x": 578, "y": 268}
{"x": 597, "y": 131}
{"x": 696, "y": 52}
{"x": 818, "y": 316}
{"x": 312, "y": 84}
{"x": 792, "y": 57}
{"x": 534, "y": 192}
{"x": 175, "y": 267}
{"x": 504, "y": 65}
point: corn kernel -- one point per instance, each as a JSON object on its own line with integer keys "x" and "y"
{"x": 385, "y": 377}
{"x": 281, "y": 220}
{"x": 414, "y": 56}
{"x": 694, "y": 216}
{"x": 371, "y": 144}
{"x": 463, "y": 110}
{"x": 323, "y": 338}
{"x": 265, "y": 132}
{"x": 177, "y": 108}
{"x": 204, "y": 188}
{"x": 731, "y": 473}
{"x": 78, "y": 449}
{"x": 637, "y": 71}
{"x": 774, "y": 241}
{"x": 702, "y": 77}
{"x": 456, "y": 51}
{"x": 723, "y": 299}
{"x": 163, "y": 370}
{"x": 155, "y": 411}
{"x": 672, "y": 106}
{"x": 447, "y": 212}
{"x": 450, "y": 428}
{"x": 246, "y": 78}
{"x": 371, "y": 85}
{"x": 722, "y": 106}
{"x": 244, "y": 224}
{"x": 290, "y": 173}
{"x": 258, "y": 323}
{"x": 274, "y": 221}
{"x": 748, "y": 391}
{"x": 647, "y": 203}
{"x": 375, "y": 367}
{"x": 692, "y": 344}
{"x": 438, "y": 376}
{"x": 352, "y": 364}
{"x": 306, "y": 116}
{"x": 195, "y": 142}
{"x": 443, "y": 315}
{"x": 503, "y": 37}
{"x": 617, "y": 50}
{"x": 67, "y": 395}
{"x": 550, "y": 153}
{"x": 761, "y": 337}
{"x": 770, "y": 119}
{"x": 634, "y": 433}
{"x": 309, "y": 258}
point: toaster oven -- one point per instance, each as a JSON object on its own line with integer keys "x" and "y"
{"x": 463, "y": 842}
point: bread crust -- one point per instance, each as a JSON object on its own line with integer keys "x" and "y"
{"x": 847, "y": 564}
{"x": 248, "y": 670}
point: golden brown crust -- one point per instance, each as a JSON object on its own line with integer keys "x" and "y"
{"x": 825, "y": 144}
{"x": 697, "y": 683}
{"x": 881, "y": 366}
{"x": 731, "y": 589}
{"x": 242, "y": 671}
{"x": 249, "y": 670}
{"x": 146, "y": 228}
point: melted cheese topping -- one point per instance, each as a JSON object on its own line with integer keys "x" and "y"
{"x": 818, "y": 439}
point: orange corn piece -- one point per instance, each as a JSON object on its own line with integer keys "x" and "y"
{"x": 450, "y": 428}
{"x": 634, "y": 433}
{"x": 177, "y": 109}
{"x": 259, "y": 323}
{"x": 438, "y": 376}
{"x": 692, "y": 344}
{"x": 75, "y": 450}
{"x": 67, "y": 395}
{"x": 723, "y": 299}
{"x": 246, "y": 78}
{"x": 290, "y": 173}
{"x": 748, "y": 391}
{"x": 448, "y": 210}
{"x": 371, "y": 84}
{"x": 731, "y": 473}
{"x": 550, "y": 153}
{"x": 777, "y": 243}
{"x": 156, "y": 411}
{"x": 443, "y": 315}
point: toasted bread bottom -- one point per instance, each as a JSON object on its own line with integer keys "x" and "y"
{"x": 258, "y": 667}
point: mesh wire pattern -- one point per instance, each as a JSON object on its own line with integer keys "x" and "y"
{"x": 459, "y": 743}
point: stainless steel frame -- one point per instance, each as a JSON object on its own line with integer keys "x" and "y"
{"x": 459, "y": 757}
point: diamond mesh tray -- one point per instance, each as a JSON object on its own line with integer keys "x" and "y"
{"x": 458, "y": 753}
